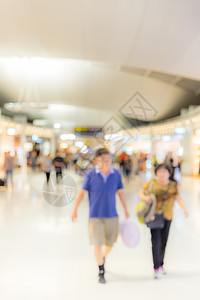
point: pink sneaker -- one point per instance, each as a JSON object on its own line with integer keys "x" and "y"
{"x": 162, "y": 270}
{"x": 157, "y": 274}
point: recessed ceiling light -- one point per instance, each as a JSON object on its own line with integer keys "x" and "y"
{"x": 11, "y": 131}
{"x": 57, "y": 125}
{"x": 24, "y": 106}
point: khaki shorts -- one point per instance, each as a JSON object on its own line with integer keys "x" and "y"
{"x": 103, "y": 231}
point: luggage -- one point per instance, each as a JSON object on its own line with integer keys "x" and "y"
{"x": 2, "y": 183}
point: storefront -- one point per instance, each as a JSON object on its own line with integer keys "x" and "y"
{"x": 167, "y": 145}
{"x": 138, "y": 143}
{"x": 19, "y": 139}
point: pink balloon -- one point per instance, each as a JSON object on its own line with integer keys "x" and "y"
{"x": 130, "y": 233}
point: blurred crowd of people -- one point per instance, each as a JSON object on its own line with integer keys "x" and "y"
{"x": 45, "y": 163}
{"x": 129, "y": 165}
{"x": 135, "y": 164}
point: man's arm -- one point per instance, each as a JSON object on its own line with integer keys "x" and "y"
{"x": 78, "y": 200}
{"x": 123, "y": 201}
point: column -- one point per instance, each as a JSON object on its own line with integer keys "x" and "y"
{"x": 186, "y": 167}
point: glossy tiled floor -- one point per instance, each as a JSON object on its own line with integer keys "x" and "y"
{"x": 44, "y": 256}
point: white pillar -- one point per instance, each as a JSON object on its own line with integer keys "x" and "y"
{"x": 186, "y": 167}
{"x": 53, "y": 144}
{"x": 23, "y": 141}
{"x": 153, "y": 151}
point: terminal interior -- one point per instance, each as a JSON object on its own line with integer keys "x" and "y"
{"x": 77, "y": 76}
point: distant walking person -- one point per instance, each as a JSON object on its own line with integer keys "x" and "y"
{"x": 58, "y": 163}
{"x": 46, "y": 166}
{"x": 102, "y": 183}
{"x": 40, "y": 159}
{"x": 127, "y": 167}
{"x": 33, "y": 160}
{"x": 166, "y": 192}
{"x": 9, "y": 166}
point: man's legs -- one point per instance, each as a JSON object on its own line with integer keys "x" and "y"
{"x": 100, "y": 262}
{"x": 111, "y": 233}
{"x": 103, "y": 231}
{"x": 9, "y": 174}
{"x": 47, "y": 176}
{"x": 11, "y": 177}
{"x": 6, "y": 178}
{"x": 107, "y": 251}
{"x": 58, "y": 176}
{"x": 98, "y": 255}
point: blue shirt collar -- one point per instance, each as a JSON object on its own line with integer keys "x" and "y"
{"x": 97, "y": 170}
{"x": 104, "y": 176}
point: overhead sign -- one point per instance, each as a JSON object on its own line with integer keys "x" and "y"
{"x": 89, "y": 131}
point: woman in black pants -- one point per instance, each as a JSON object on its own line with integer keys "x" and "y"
{"x": 166, "y": 192}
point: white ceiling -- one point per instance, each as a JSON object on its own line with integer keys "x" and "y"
{"x": 100, "y": 37}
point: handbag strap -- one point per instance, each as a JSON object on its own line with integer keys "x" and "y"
{"x": 164, "y": 197}
{"x": 150, "y": 188}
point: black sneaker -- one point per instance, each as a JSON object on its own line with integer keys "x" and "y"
{"x": 104, "y": 260}
{"x": 101, "y": 278}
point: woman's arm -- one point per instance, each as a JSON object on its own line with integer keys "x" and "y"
{"x": 144, "y": 197}
{"x": 182, "y": 205}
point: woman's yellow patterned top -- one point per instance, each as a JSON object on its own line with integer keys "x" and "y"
{"x": 167, "y": 193}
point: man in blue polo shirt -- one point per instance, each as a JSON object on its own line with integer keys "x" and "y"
{"x": 102, "y": 183}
